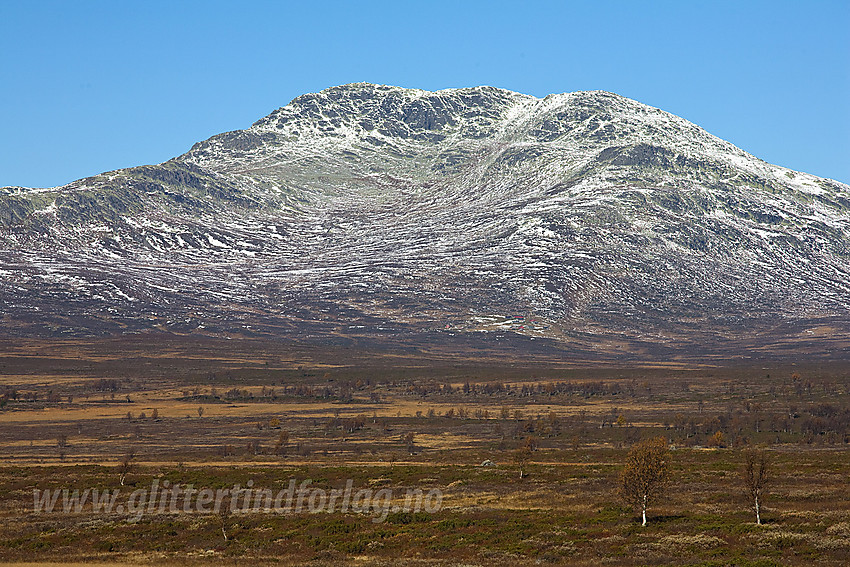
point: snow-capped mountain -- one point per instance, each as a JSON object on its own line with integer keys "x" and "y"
{"x": 586, "y": 218}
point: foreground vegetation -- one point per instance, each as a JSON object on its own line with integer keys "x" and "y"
{"x": 528, "y": 455}
{"x": 565, "y": 510}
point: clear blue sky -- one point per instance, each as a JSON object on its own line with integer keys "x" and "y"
{"x": 94, "y": 86}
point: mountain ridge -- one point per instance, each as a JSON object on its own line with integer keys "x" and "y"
{"x": 368, "y": 210}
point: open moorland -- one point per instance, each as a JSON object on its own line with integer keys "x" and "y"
{"x": 525, "y": 451}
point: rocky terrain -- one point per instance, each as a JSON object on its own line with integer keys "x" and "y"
{"x": 585, "y": 222}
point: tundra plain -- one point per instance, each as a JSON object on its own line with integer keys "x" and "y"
{"x": 526, "y": 451}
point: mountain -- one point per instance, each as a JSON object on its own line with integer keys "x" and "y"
{"x": 584, "y": 221}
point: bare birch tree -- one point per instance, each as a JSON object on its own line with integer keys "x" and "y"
{"x": 521, "y": 457}
{"x": 756, "y": 475}
{"x": 126, "y": 465}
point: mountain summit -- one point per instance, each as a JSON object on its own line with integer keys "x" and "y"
{"x": 587, "y": 221}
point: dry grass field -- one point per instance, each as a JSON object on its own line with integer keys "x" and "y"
{"x": 214, "y": 413}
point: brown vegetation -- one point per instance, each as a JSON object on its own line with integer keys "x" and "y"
{"x": 71, "y": 416}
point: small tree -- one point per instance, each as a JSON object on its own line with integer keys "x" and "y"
{"x": 62, "y": 446}
{"x": 282, "y": 442}
{"x": 756, "y": 475}
{"x": 645, "y": 475}
{"x": 523, "y": 454}
{"x": 521, "y": 457}
{"x": 223, "y": 516}
{"x": 200, "y": 411}
{"x": 126, "y": 466}
{"x": 717, "y": 440}
{"x": 408, "y": 441}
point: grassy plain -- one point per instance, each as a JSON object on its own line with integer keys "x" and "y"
{"x": 71, "y": 412}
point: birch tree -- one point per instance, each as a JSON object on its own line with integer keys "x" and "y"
{"x": 125, "y": 466}
{"x": 646, "y": 474}
{"x": 756, "y": 475}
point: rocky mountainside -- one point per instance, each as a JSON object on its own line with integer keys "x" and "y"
{"x": 586, "y": 221}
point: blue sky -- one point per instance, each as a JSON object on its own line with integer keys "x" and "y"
{"x": 94, "y": 86}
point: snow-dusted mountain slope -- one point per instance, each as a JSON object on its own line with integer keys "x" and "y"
{"x": 365, "y": 210}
